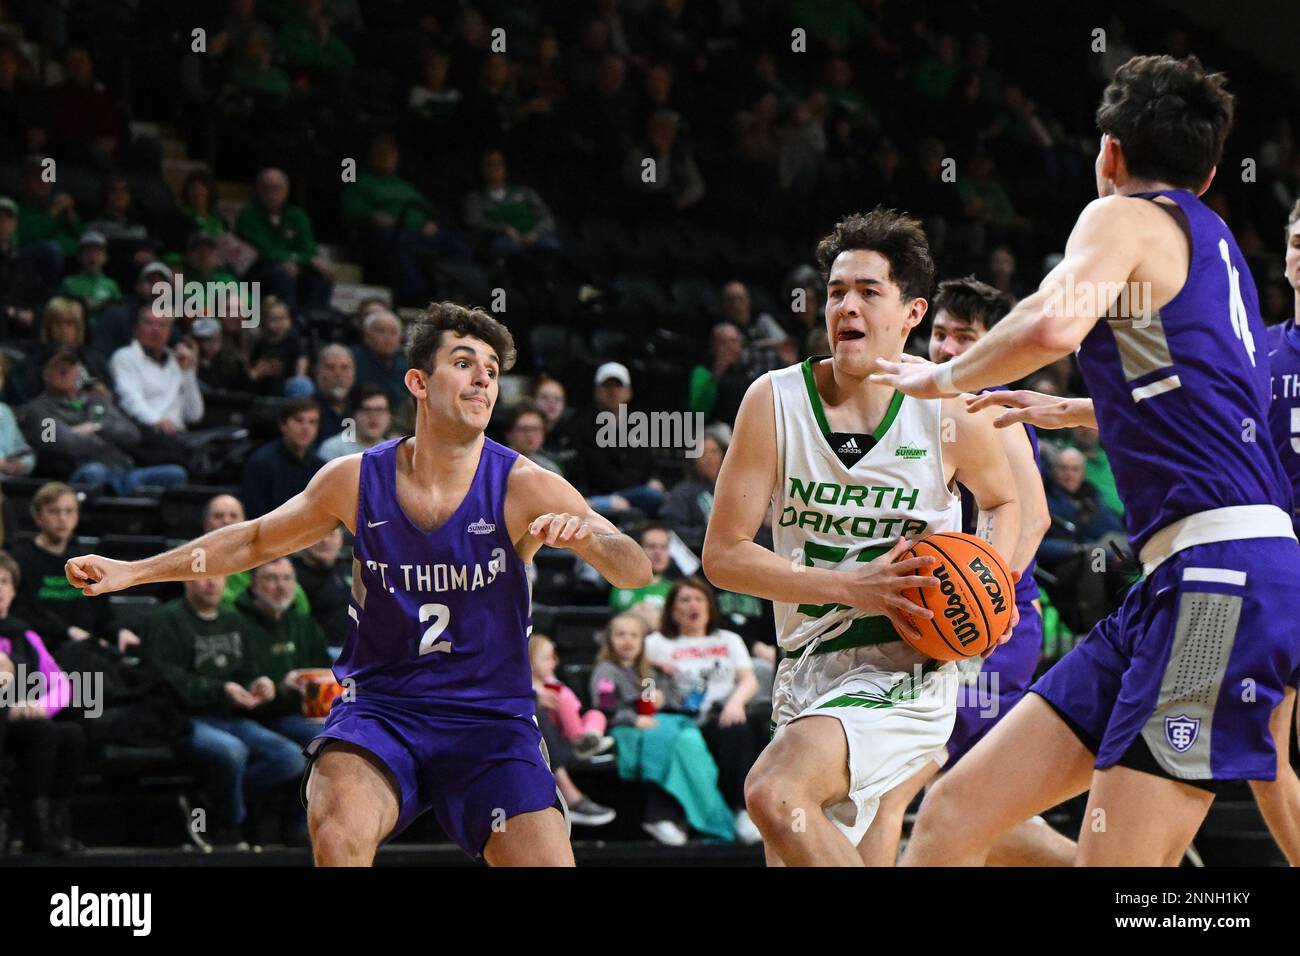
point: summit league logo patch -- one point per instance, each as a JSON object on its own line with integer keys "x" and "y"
{"x": 481, "y": 526}
{"x": 1182, "y": 731}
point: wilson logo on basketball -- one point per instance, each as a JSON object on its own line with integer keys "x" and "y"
{"x": 990, "y": 582}
{"x": 957, "y": 612}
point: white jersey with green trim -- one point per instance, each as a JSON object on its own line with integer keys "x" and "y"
{"x": 827, "y": 515}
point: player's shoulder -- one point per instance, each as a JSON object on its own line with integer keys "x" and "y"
{"x": 1116, "y": 211}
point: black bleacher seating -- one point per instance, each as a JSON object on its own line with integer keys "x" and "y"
{"x": 106, "y": 514}
{"x": 182, "y": 507}
{"x": 131, "y": 547}
{"x": 573, "y": 628}
{"x": 132, "y": 610}
{"x": 18, "y": 494}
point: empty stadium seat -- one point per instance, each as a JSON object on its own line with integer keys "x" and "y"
{"x": 132, "y": 610}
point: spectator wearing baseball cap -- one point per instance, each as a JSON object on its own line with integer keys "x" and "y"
{"x": 221, "y": 365}
{"x": 613, "y": 475}
{"x": 112, "y": 325}
{"x": 90, "y": 284}
{"x": 92, "y": 439}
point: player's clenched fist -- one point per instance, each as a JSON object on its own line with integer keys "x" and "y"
{"x": 96, "y": 575}
{"x": 560, "y": 530}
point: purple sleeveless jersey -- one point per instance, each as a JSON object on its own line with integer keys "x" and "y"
{"x": 437, "y": 657}
{"x": 1160, "y": 684}
{"x": 1173, "y": 399}
{"x": 444, "y": 619}
{"x": 1284, "y": 412}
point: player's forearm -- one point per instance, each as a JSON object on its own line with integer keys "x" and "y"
{"x": 228, "y": 550}
{"x": 1000, "y": 527}
{"x": 619, "y": 560}
{"x": 745, "y": 567}
{"x": 1023, "y": 342}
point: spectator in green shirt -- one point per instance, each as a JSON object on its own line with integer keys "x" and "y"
{"x": 282, "y": 642}
{"x": 394, "y": 223}
{"x": 289, "y": 265}
{"x": 647, "y": 602}
{"x": 308, "y": 42}
{"x": 44, "y": 216}
{"x": 717, "y": 388}
{"x": 220, "y": 511}
{"x": 90, "y": 284}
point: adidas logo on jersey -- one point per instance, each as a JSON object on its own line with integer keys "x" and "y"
{"x": 850, "y": 445}
{"x": 910, "y": 451}
{"x": 481, "y": 526}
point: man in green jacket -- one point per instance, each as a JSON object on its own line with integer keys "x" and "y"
{"x": 282, "y": 642}
{"x": 288, "y": 264}
{"x": 394, "y": 222}
{"x": 204, "y": 652}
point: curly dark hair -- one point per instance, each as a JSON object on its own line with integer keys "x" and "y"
{"x": 442, "y": 317}
{"x": 896, "y": 236}
{"x": 971, "y": 300}
{"x": 1170, "y": 117}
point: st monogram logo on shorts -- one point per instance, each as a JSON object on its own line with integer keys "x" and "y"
{"x": 1181, "y": 731}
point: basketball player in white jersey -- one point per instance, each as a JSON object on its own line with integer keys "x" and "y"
{"x": 854, "y": 474}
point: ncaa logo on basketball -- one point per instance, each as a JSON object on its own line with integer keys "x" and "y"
{"x": 986, "y": 578}
{"x": 1182, "y": 731}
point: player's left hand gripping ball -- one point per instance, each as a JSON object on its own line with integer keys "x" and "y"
{"x": 561, "y": 530}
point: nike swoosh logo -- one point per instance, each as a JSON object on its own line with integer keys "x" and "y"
{"x": 376, "y": 524}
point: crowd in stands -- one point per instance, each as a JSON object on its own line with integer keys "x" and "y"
{"x": 634, "y": 185}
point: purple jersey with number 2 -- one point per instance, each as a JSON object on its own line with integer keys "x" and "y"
{"x": 435, "y": 667}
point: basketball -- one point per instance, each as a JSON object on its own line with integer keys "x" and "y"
{"x": 971, "y": 605}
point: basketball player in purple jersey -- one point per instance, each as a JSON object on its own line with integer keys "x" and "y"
{"x": 965, "y": 310}
{"x": 440, "y": 713}
{"x": 1278, "y": 799}
{"x": 1176, "y": 690}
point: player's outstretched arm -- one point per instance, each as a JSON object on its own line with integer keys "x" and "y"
{"x": 1037, "y": 409}
{"x": 543, "y": 508}
{"x": 329, "y": 498}
{"x": 734, "y": 562}
{"x": 1102, "y": 253}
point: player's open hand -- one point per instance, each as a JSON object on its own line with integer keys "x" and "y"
{"x": 561, "y": 530}
{"x": 94, "y": 575}
{"x": 1036, "y": 408}
{"x": 877, "y": 588}
{"x": 912, "y": 376}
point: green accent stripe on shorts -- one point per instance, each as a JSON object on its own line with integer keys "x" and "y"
{"x": 863, "y": 632}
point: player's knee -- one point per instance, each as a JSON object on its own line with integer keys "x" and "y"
{"x": 771, "y": 799}
{"x": 336, "y": 843}
{"x": 941, "y": 808}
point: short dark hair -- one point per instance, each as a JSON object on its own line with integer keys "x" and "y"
{"x": 296, "y": 405}
{"x": 440, "y": 317}
{"x": 896, "y": 236}
{"x": 368, "y": 391}
{"x": 519, "y": 409}
{"x": 1170, "y": 117}
{"x": 646, "y": 527}
{"x": 1292, "y": 219}
{"x": 970, "y": 300}
{"x": 668, "y": 626}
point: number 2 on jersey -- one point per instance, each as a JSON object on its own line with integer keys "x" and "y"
{"x": 429, "y": 643}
